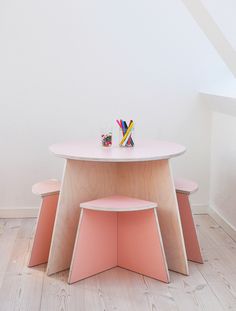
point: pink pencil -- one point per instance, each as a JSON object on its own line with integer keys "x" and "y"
{"x": 118, "y": 123}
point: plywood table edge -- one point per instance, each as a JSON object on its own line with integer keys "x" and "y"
{"x": 117, "y": 160}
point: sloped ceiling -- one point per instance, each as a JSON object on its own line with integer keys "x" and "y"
{"x": 217, "y": 26}
{"x": 223, "y": 12}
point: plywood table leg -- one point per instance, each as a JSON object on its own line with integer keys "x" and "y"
{"x": 153, "y": 181}
{"x": 82, "y": 181}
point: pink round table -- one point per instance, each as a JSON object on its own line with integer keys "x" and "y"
{"x": 93, "y": 172}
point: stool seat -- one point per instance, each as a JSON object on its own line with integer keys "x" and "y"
{"x": 118, "y": 203}
{"x": 46, "y": 187}
{"x": 185, "y": 186}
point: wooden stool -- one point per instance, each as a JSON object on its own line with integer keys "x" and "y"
{"x": 49, "y": 191}
{"x": 183, "y": 189}
{"x": 118, "y": 231}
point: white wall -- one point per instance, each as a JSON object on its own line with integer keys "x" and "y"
{"x": 223, "y": 166}
{"x": 69, "y": 66}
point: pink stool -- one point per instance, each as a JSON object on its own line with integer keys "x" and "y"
{"x": 183, "y": 189}
{"x": 49, "y": 191}
{"x": 118, "y": 231}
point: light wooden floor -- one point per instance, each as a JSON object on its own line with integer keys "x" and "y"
{"x": 211, "y": 286}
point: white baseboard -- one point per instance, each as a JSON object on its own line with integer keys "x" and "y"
{"x": 28, "y": 212}
{"x": 228, "y": 228}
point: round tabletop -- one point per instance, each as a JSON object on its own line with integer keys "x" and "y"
{"x": 146, "y": 150}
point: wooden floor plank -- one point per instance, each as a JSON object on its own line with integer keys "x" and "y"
{"x": 211, "y": 286}
{"x": 128, "y": 285}
{"x": 219, "y": 269}
{"x": 193, "y": 292}
{"x": 8, "y": 232}
{"x": 21, "y": 287}
{"x": 56, "y": 292}
{"x": 215, "y": 234}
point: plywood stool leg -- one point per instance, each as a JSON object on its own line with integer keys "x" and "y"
{"x": 140, "y": 246}
{"x": 44, "y": 229}
{"x": 96, "y": 244}
{"x": 189, "y": 230}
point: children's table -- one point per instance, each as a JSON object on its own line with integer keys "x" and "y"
{"x": 92, "y": 171}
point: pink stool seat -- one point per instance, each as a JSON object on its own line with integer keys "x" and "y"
{"x": 185, "y": 186}
{"x": 118, "y": 231}
{"x": 118, "y": 204}
{"x": 47, "y": 187}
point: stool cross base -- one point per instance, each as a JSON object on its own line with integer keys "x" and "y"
{"x": 118, "y": 231}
